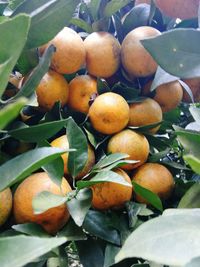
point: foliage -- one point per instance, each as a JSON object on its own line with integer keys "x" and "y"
{"x": 164, "y": 232}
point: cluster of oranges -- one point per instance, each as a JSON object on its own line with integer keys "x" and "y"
{"x": 109, "y": 113}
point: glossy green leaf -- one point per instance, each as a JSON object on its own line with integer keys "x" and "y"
{"x": 11, "y": 111}
{"x": 138, "y": 16}
{"x": 38, "y": 132}
{"x": 190, "y": 141}
{"x": 36, "y": 75}
{"x": 128, "y": 93}
{"x": 101, "y": 177}
{"x": 79, "y": 205}
{"x": 179, "y": 231}
{"x": 110, "y": 253}
{"x": 108, "y": 160}
{"x": 32, "y": 247}
{"x": 148, "y": 195}
{"x": 78, "y": 141}
{"x": 46, "y": 200}
{"x": 195, "y": 113}
{"x": 191, "y": 199}
{"x": 21, "y": 166}
{"x": 194, "y": 162}
{"x": 72, "y": 232}
{"x": 93, "y": 7}
{"x": 98, "y": 224}
{"x": 81, "y": 24}
{"x": 11, "y": 45}
{"x": 175, "y": 54}
{"x": 31, "y": 229}
{"x": 47, "y": 18}
{"x": 27, "y": 61}
{"x": 113, "y": 6}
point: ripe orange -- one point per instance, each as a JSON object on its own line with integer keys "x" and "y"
{"x": 194, "y": 85}
{"x": 62, "y": 142}
{"x": 156, "y": 178}
{"x": 168, "y": 95}
{"x": 109, "y": 113}
{"x": 70, "y": 51}
{"x": 144, "y": 113}
{"x": 52, "y": 88}
{"x": 51, "y": 220}
{"x": 131, "y": 143}
{"x": 102, "y": 54}
{"x": 81, "y": 88}
{"x": 109, "y": 195}
{"x": 135, "y": 58}
{"x": 5, "y": 205}
{"x": 183, "y": 9}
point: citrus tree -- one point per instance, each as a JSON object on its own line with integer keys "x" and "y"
{"x": 99, "y": 133}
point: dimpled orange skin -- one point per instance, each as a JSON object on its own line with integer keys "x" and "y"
{"x": 156, "y": 178}
{"x": 62, "y": 142}
{"x": 110, "y": 195}
{"x": 145, "y": 113}
{"x": 81, "y": 88}
{"x": 52, "y": 88}
{"x": 102, "y": 54}
{"x": 51, "y": 220}
{"x": 70, "y": 51}
{"x": 109, "y": 113}
{"x": 194, "y": 85}
{"x": 135, "y": 58}
{"x": 183, "y": 9}
{"x": 131, "y": 143}
{"x": 5, "y": 205}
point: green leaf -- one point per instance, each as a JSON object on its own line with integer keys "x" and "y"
{"x": 23, "y": 165}
{"x": 191, "y": 199}
{"x": 113, "y": 6}
{"x": 195, "y": 113}
{"x": 38, "y": 132}
{"x": 190, "y": 141}
{"x": 30, "y": 229}
{"x": 79, "y": 205}
{"x": 81, "y": 24}
{"x": 175, "y": 54}
{"x": 11, "y": 45}
{"x": 101, "y": 177}
{"x": 93, "y": 7}
{"x": 152, "y": 198}
{"x": 108, "y": 160}
{"x": 96, "y": 223}
{"x": 11, "y": 111}
{"x": 46, "y": 200}
{"x": 138, "y": 16}
{"x": 171, "y": 239}
{"x": 47, "y": 18}
{"x": 36, "y": 75}
{"x": 27, "y": 61}
{"x": 3, "y": 5}
{"x": 77, "y": 140}
{"x": 72, "y": 232}
{"x": 128, "y": 93}
{"x": 194, "y": 162}
{"x": 110, "y": 253}
{"x": 32, "y": 247}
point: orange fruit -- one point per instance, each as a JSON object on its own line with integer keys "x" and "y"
{"x": 168, "y": 95}
{"x": 156, "y": 178}
{"x": 70, "y": 51}
{"x": 109, "y": 113}
{"x": 51, "y": 220}
{"x": 137, "y": 2}
{"x": 144, "y": 113}
{"x": 131, "y": 143}
{"x": 52, "y": 88}
{"x": 81, "y": 88}
{"x": 109, "y": 195}
{"x": 183, "y": 9}
{"x": 5, "y": 205}
{"x": 135, "y": 58}
{"x": 194, "y": 85}
{"x": 102, "y": 54}
{"x": 62, "y": 142}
